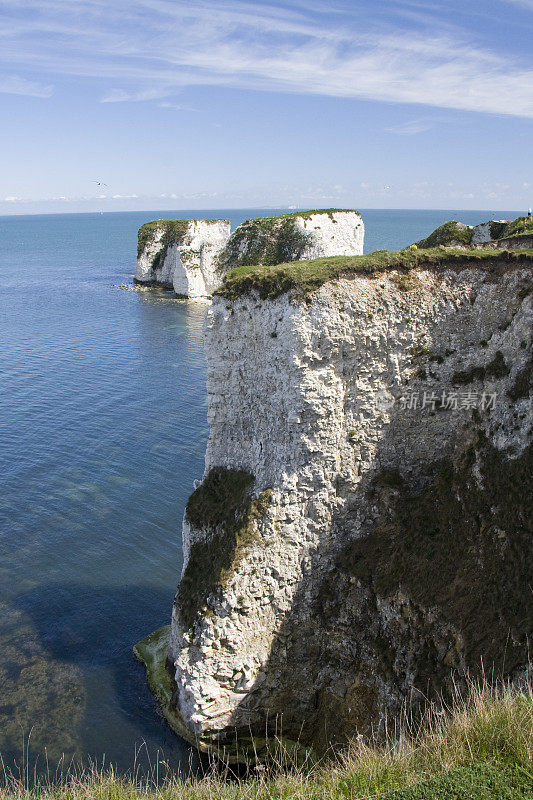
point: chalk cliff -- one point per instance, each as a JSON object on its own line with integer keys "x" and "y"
{"x": 363, "y": 532}
{"x": 295, "y": 237}
{"x": 182, "y": 255}
{"x": 192, "y": 256}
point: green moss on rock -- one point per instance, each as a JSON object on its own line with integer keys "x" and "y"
{"x": 462, "y": 547}
{"x": 152, "y": 651}
{"x": 223, "y": 509}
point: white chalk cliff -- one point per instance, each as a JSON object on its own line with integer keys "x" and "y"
{"x": 362, "y": 535}
{"x": 192, "y": 256}
{"x": 182, "y": 255}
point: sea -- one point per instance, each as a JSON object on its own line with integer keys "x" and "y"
{"x": 102, "y": 434}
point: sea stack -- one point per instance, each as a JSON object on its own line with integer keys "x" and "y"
{"x": 192, "y": 256}
{"x": 182, "y": 255}
{"x": 299, "y": 236}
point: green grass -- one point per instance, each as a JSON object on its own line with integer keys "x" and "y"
{"x": 449, "y": 233}
{"x": 307, "y": 276}
{"x": 479, "y": 748}
{"x": 521, "y": 226}
{"x": 308, "y": 214}
{"x": 479, "y": 781}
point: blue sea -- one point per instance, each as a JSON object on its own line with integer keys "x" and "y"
{"x": 102, "y": 433}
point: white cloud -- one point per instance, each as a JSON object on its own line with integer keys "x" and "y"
{"x": 155, "y": 48}
{"x": 176, "y": 106}
{"x": 121, "y": 96}
{"x": 410, "y": 128}
{"x": 14, "y": 84}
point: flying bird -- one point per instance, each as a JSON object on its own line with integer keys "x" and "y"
{"x": 99, "y": 183}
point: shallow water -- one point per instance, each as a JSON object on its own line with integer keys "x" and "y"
{"x": 102, "y": 432}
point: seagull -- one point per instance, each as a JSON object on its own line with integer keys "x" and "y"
{"x": 99, "y": 183}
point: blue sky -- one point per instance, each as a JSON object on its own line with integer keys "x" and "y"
{"x": 213, "y": 104}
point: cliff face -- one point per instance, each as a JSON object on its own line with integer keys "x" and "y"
{"x": 182, "y": 255}
{"x": 363, "y": 531}
{"x": 295, "y": 237}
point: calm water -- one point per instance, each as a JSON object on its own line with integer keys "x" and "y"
{"x": 102, "y": 432}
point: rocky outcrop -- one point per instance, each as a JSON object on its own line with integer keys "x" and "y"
{"x": 182, "y": 255}
{"x": 501, "y": 234}
{"x": 362, "y": 536}
{"x": 294, "y": 237}
{"x": 192, "y": 256}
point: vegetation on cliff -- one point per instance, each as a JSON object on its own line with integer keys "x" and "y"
{"x": 478, "y": 748}
{"x": 271, "y": 240}
{"x": 223, "y": 506}
{"x": 266, "y": 240}
{"x": 304, "y": 277}
{"x": 451, "y": 233}
{"x": 481, "y": 585}
{"x": 521, "y": 226}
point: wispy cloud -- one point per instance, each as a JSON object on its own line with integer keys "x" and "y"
{"x": 176, "y": 106}
{"x": 524, "y": 3}
{"x": 121, "y": 96}
{"x": 411, "y": 128}
{"x": 14, "y": 84}
{"x": 155, "y": 48}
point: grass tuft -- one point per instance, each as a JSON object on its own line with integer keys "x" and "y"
{"x": 478, "y": 747}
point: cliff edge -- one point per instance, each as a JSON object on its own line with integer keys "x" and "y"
{"x": 362, "y": 536}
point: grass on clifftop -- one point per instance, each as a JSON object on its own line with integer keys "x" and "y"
{"x": 306, "y": 276}
{"x": 450, "y": 233}
{"x": 479, "y": 749}
{"x": 173, "y": 231}
{"x": 521, "y": 226}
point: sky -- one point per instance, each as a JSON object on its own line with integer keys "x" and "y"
{"x": 230, "y": 104}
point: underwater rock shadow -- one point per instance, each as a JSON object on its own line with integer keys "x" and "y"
{"x": 97, "y": 627}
